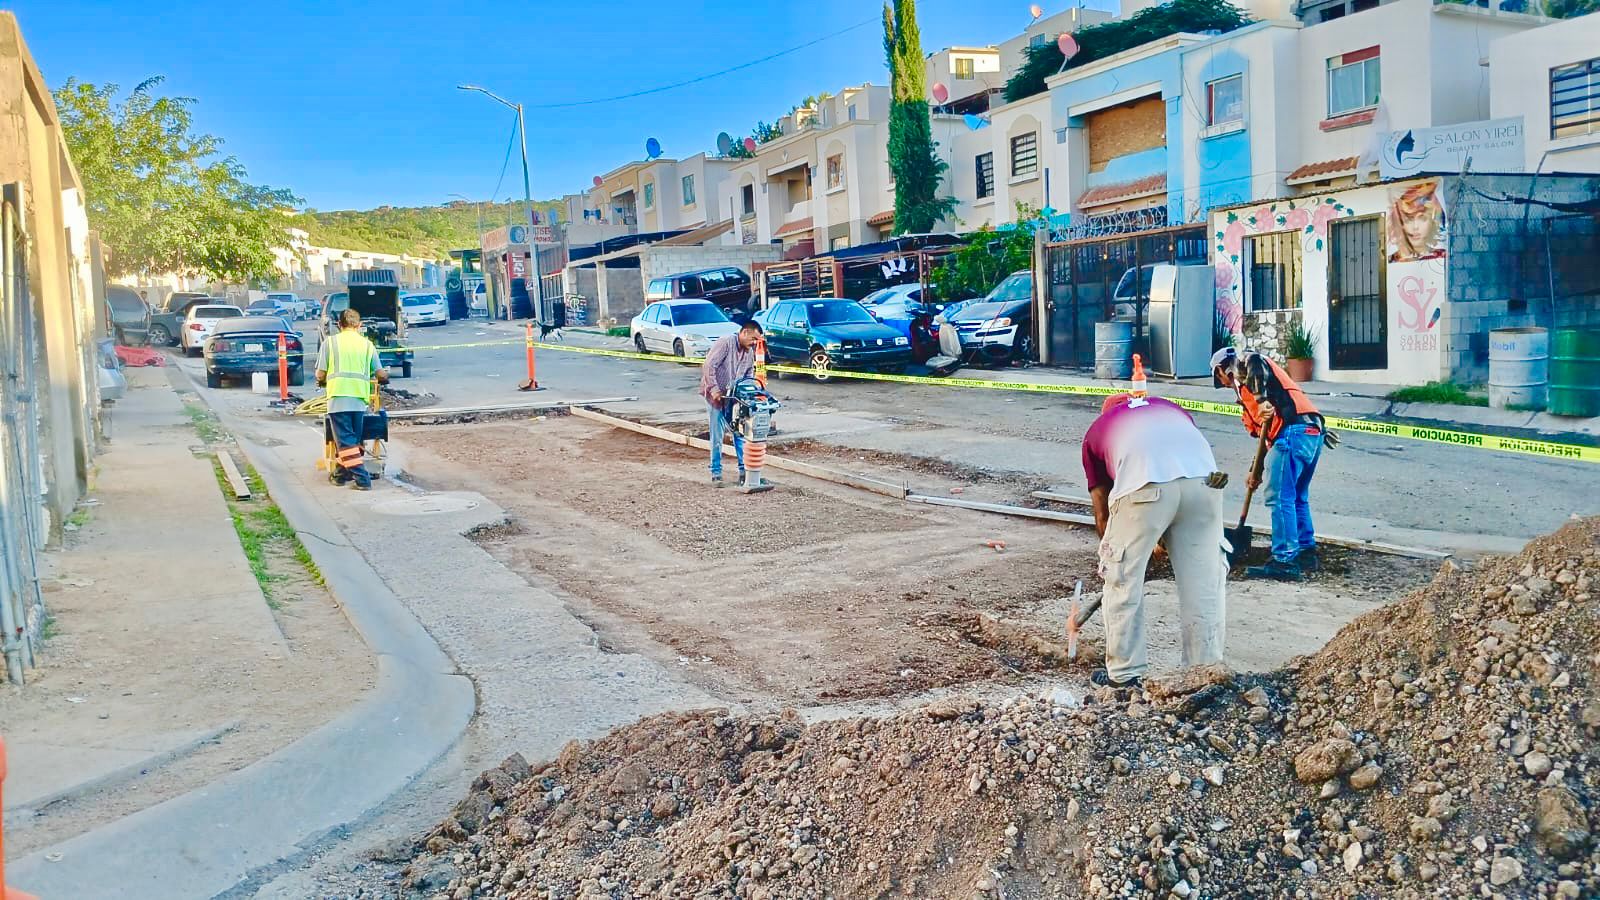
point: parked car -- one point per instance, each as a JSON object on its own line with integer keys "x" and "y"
{"x": 425, "y": 309}
{"x": 129, "y": 316}
{"x": 113, "y": 384}
{"x": 167, "y": 321}
{"x": 270, "y": 307}
{"x": 998, "y": 329}
{"x": 901, "y": 308}
{"x": 727, "y": 287}
{"x": 681, "y": 327}
{"x": 827, "y": 334}
{"x": 241, "y": 345}
{"x": 298, "y": 306}
{"x": 198, "y": 324}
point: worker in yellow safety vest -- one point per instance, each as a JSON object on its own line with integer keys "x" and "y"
{"x": 346, "y": 365}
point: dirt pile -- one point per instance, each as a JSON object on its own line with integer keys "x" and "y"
{"x": 1445, "y": 745}
{"x": 400, "y": 398}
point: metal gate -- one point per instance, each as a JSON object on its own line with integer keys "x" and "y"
{"x": 1357, "y": 311}
{"x": 1095, "y": 279}
{"x": 21, "y": 479}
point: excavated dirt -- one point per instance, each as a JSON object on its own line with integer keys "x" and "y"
{"x": 815, "y": 592}
{"x": 1444, "y": 746}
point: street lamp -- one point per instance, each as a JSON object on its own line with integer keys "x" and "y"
{"x": 479, "y": 205}
{"x": 527, "y": 191}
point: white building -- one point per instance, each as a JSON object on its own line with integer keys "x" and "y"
{"x": 1551, "y": 77}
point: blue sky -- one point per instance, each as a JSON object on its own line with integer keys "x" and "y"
{"x": 353, "y": 104}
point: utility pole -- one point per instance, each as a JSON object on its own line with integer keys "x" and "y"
{"x": 527, "y": 189}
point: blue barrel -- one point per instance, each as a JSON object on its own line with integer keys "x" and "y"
{"x": 1113, "y": 350}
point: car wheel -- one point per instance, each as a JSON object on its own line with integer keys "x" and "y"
{"x": 677, "y": 348}
{"x": 821, "y": 364}
{"x": 297, "y": 377}
{"x": 213, "y": 380}
{"x": 638, "y": 343}
{"x": 1022, "y": 349}
{"x": 405, "y": 369}
{"x": 159, "y": 335}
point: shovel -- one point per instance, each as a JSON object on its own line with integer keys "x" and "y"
{"x": 1239, "y": 538}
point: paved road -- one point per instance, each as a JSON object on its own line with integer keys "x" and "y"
{"x": 1372, "y": 487}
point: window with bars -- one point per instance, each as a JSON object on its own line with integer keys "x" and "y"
{"x": 1025, "y": 154}
{"x": 1575, "y": 99}
{"x": 985, "y": 172}
{"x": 1271, "y": 263}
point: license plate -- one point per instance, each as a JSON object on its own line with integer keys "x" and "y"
{"x": 254, "y": 348}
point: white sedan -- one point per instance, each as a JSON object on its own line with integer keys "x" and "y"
{"x": 679, "y": 327}
{"x": 198, "y": 324}
{"x": 424, "y": 309}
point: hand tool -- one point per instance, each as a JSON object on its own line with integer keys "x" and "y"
{"x": 1239, "y": 538}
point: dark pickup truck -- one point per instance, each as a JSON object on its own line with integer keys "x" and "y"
{"x": 376, "y": 295}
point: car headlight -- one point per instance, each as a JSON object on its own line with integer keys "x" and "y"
{"x": 1000, "y": 323}
{"x": 901, "y": 342}
{"x": 832, "y": 345}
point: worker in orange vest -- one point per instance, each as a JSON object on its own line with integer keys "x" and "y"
{"x": 1296, "y": 432}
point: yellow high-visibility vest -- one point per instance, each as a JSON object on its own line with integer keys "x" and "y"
{"x": 351, "y": 360}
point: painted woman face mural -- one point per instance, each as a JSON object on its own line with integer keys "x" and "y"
{"x": 1416, "y": 223}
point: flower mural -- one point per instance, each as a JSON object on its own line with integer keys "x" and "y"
{"x": 1309, "y": 216}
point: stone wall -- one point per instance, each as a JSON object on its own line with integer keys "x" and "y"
{"x": 1514, "y": 263}
{"x": 1268, "y": 331}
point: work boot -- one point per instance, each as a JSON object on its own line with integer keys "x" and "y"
{"x": 363, "y": 487}
{"x": 716, "y": 479}
{"x": 1308, "y": 561}
{"x": 741, "y": 477}
{"x": 1103, "y": 678}
{"x": 1276, "y": 569}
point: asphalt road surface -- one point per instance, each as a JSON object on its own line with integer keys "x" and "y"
{"x": 1371, "y": 487}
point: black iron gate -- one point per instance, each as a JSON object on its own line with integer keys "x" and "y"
{"x": 1097, "y": 279}
{"x": 1357, "y": 311}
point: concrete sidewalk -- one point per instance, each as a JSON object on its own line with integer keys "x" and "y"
{"x": 210, "y": 840}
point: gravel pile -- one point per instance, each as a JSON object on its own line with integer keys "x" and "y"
{"x": 1443, "y": 746}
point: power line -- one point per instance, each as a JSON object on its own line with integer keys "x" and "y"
{"x": 509, "y": 144}
{"x": 708, "y": 77}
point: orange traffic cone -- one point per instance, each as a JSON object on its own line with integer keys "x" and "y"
{"x": 6, "y": 891}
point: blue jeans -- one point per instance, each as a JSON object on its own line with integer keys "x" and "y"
{"x": 347, "y": 433}
{"x": 719, "y": 425}
{"x": 1290, "y": 465}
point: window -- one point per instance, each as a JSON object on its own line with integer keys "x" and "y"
{"x": 1575, "y": 99}
{"x": 835, "y": 171}
{"x": 1025, "y": 154}
{"x": 688, "y": 190}
{"x": 1352, "y": 82}
{"x": 963, "y": 68}
{"x": 1225, "y": 101}
{"x": 851, "y": 111}
{"x": 652, "y": 313}
{"x": 985, "y": 167}
{"x": 650, "y": 195}
{"x": 1272, "y": 271}
{"x": 747, "y": 199}
{"x": 1038, "y": 40}
{"x": 689, "y": 286}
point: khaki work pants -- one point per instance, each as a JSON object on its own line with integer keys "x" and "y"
{"x": 1189, "y": 515}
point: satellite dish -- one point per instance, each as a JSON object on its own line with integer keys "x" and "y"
{"x": 1068, "y": 45}
{"x": 1035, "y": 10}
{"x": 652, "y": 148}
{"x": 750, "y": 144}
{"x": 598, "y": 181}
{"x": 974, "y": 122}
{"x": 940, "y": 93}
{"x": 724, "y": 143}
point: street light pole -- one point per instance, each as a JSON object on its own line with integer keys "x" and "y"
{"x": 527, "y": 188}
{"x": 479, "y": 205}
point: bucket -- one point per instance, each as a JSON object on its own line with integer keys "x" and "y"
{"x": 1575, "y": 372}
{"x": 1113, "y": 350}
{"x": 1518, "y": 367}
{"x": 258, "y": 382}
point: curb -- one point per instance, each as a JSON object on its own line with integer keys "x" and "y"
{"x": 210, "y": 840}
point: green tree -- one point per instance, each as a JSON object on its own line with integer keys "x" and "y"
{"x": 988, "y": 256}
{"x": 916, "y": 169}
{"x": 161, "y": 195}
{"x": 1117, "y": 35}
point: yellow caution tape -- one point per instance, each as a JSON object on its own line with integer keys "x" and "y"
{"x": 1547, "y": 449}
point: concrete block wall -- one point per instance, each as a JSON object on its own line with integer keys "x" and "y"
{"x": 1499, "y": 271}
{"x": 659, "y": 262}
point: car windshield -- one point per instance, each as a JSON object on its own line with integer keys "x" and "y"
{"x": 984, "y": 310}
{"x": 217, "y": 312}
{"x": 338, "y": 303}
{"x": 418, "y": 301}
{"x": 285, "y": 297}
{"x": 1125, "y": 286}
{"x": 839, "y": 312}
{"x": 1015, "y": 287}
{"x": 263, "y": 304}
{"x": 251, "y": 323}
{"x": 697, "y": 314}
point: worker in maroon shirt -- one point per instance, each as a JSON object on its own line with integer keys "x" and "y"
{"x": 1153, "y": 478}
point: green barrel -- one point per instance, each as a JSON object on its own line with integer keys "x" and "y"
{"x": 1575, "y": 372}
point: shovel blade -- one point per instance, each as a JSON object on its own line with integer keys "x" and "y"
{"x": 1239, "y": 540}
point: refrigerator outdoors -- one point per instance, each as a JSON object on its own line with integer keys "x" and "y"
{"x": 1182, "y": 307}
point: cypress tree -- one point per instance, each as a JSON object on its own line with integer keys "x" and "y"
{"x": 917, "y": 204}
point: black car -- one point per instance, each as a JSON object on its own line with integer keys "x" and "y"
{"x": 130, "y": 317}
{"x": 727, "y": 287}
{"x": 826, "y": 334}
{"x": 998, "y": 329}
{"x": 240, "y": 347}
{"x": 167, "y": 320}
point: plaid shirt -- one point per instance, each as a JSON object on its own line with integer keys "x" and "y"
{"x": 725, "y": 364}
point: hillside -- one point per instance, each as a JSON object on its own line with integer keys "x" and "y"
{"x": 426, "y": 231}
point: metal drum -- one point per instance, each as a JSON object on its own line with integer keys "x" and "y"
{"x": 1575, "y": 372}
{"x": 1113, "y": 350}
{"x": 1518, "y": 367}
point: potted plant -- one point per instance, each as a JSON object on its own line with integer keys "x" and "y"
{"x": 1300, "y": 349}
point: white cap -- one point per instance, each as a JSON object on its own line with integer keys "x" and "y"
{"x": 1223, "y": 357}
